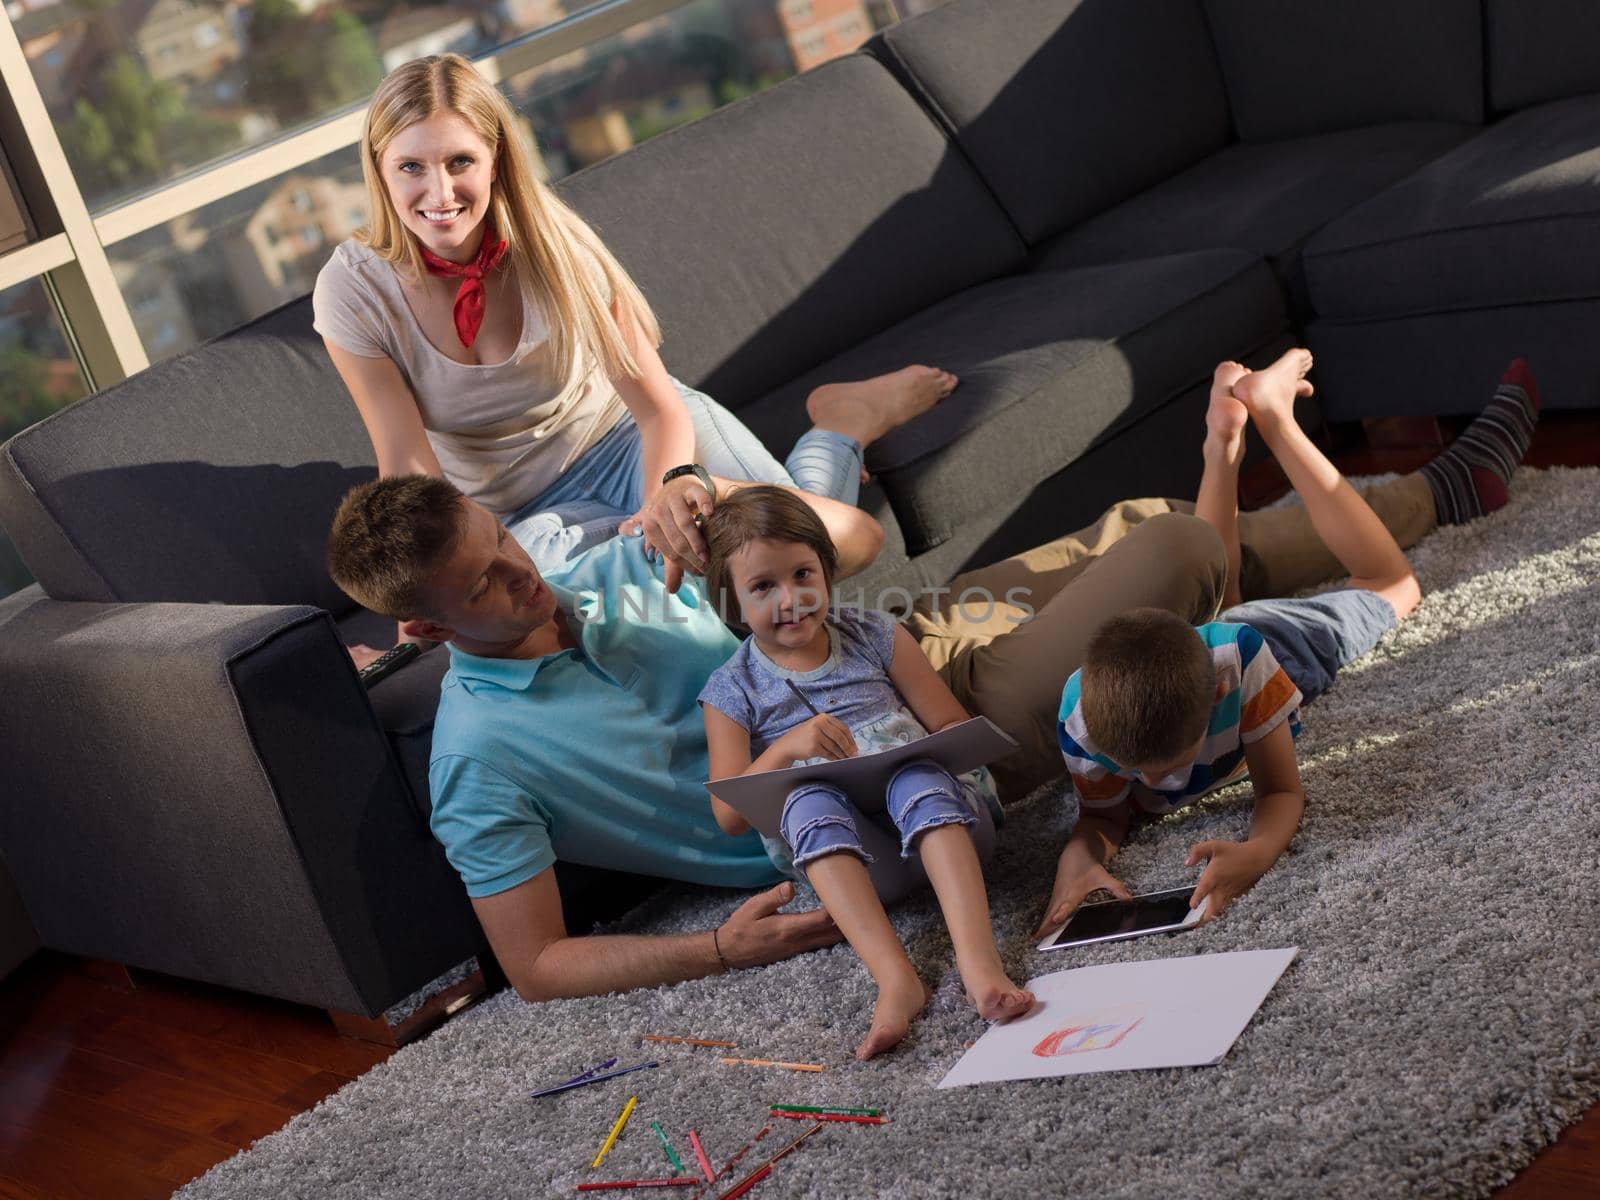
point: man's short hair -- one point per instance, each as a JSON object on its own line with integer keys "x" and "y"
{"x": 762, "y": 512}
{"x": 390, "y": 536}
{"x": 1147, "y": 688}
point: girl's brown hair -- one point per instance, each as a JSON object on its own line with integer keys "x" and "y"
{"x": 547, "y": 239}
{"x": 755, "y": 514}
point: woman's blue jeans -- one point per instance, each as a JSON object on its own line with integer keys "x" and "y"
{"x": 606, "y": 485}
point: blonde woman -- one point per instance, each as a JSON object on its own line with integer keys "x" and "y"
{"x": 488, "y": 337}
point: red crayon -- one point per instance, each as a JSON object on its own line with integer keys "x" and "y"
{"x": 803, "y": 1116}
{"x": 617, "y": 1185}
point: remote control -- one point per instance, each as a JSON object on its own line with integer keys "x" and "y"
{"x": 389, "y": 662}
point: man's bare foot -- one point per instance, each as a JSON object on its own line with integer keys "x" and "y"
{"x": 899, "y": 1002}
{"x": 866, "y": 409}
{"x": 1270, "y": 393}
{"x": 994, "y": 995}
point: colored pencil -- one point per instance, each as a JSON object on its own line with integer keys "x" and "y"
{"x": 804, "y": 1116}
{"x": 748, "y": 1181}
{"x": 748, "y": 1146}
{"x": 616, "y": 1132}
{"x": 672, "y": 1155}
{"x": 684, "y": 1041}
{"x": 567, "y": 1087}
{"x": 617, "y": 1185}
{"x": 802, "y": 697}
{"x": 700, "y": 1154}
{"x": 829, "y": 1112}
{"x": 767, "y": 1062}
{"x": 581, "y": 1076}
{"x": 747, "y": 1184}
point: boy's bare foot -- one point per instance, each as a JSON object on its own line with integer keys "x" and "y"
{"x": 866, "y": 409}
{"x": 1270, "y": 393}
{"x": 899, "y": 1002}
{"x": 1226, "y": 416}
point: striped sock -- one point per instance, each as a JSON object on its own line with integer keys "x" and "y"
{"x": 1469, "y": 479}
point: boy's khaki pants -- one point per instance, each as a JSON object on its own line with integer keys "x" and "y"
{"x": 1006, "y": 637}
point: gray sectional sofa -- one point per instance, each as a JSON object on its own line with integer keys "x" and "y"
{"x": 1079, "y": 207}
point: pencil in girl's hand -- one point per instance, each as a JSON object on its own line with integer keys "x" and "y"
{"x": 802, "y": 696}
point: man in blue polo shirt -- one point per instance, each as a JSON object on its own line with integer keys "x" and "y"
{"x": 568, "y": 728}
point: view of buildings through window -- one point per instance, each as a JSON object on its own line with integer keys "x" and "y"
{"x": 142, "y": 92}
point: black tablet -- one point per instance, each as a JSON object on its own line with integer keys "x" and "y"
{"x": 1113, "y": 920}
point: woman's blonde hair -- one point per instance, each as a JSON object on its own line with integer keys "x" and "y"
{"x": 547, "y": 239}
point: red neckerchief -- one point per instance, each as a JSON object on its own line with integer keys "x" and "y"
{"x": 469, "y": 303}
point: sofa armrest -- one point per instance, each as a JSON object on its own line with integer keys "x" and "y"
{"x": 204, "y": 790}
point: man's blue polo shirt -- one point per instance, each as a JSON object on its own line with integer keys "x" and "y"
{"x": 595, "y": 755}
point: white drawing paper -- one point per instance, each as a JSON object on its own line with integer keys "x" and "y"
{"x": 1167, "y": 1012}
{"x": 965, "y": 747}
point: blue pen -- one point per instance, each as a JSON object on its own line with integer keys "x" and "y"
{"x": 566, "y": 1087}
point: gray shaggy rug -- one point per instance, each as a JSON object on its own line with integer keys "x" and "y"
{"x": 1438, "y": 1028}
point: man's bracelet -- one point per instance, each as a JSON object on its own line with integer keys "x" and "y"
{"x": 716, "y": 945}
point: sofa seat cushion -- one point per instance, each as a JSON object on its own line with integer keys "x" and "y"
{"x": 1266, "y": 197}
{"x": 1510, "y": 217}
{"x": 1050, "y": 363}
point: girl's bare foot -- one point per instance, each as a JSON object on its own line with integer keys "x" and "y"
{"x": 866, "y": 409}
{"x": 1270, "y": 393}
{"x": 900, "y": 999}
{"x": 994, "y": 995}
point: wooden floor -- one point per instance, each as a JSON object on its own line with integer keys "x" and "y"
{"x": 117, "y": 1094}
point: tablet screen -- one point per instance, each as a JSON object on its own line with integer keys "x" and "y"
{"x": 1124, "y": 918}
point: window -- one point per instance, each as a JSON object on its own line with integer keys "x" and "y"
{"x": 38, "y": 375}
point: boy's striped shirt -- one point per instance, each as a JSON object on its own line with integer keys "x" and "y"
{"x": 1254, "y": 697}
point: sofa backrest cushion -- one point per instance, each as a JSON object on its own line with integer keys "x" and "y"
{"x": 1541, "y": 50}
{"x": 1295, "y": 67}
{"x": 209, "y": 477}
{"x": 1067, "y": 107}
{"x": 775, "y": 233}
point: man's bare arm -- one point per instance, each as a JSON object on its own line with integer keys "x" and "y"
{"x": 528, "y": 932}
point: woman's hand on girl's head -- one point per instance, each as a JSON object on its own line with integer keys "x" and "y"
{"x": 670, "y": 528}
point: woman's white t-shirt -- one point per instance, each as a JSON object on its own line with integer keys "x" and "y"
{"x": 502, "y": 432}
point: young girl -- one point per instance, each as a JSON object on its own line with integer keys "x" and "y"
{"x": 488, "y": 337}
{"x": 771, "y": 570}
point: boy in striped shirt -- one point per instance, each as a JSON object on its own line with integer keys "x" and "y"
{"x": 1162, "y": 713}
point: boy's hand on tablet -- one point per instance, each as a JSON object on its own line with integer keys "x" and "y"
{"x": 1077, "y": 877}
{"x": 1231, "y": 871}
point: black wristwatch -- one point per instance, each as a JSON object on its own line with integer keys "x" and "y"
{"x": 698, "y": 472}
